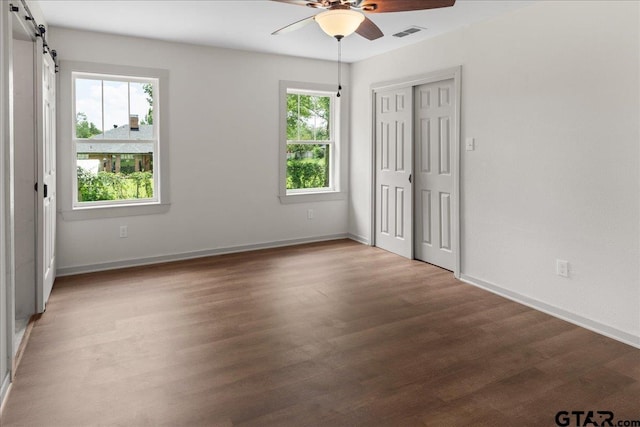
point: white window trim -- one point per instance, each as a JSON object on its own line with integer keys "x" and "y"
{"x": 67, "y": 144}
{"x": 337, "y": 159}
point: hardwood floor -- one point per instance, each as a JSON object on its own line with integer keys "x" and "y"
{"x": 334, "y": 333}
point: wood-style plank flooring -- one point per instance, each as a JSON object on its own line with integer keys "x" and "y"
{"x": 326, "y": 334}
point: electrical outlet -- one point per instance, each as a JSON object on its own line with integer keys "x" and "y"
{"x": 309, "y": 213}
{"x": 562, "y": 268}
{"x": 123, "y": 231}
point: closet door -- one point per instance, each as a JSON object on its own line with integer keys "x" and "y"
{"x": 393, "y": 140}
{"x": 46, "y": 170}
{"x": 435, "y": 152}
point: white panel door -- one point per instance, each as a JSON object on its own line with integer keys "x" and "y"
{"x": 435, "y": 151}
{"x": 393, "y": 136}
{"x": 46, "y": 206}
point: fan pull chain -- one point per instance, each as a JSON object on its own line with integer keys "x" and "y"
{"x": 339, "y": 66}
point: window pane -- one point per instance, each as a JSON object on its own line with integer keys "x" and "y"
{"x": 292, "y": 117}
{"x": 121, "y": 171}
{"x": 141, "y": 108}
{"x": 308, "y": 166}
{"x": 308, "y": 117}
{"x": 116, "y": 109}
{"x": 88, "y": 108}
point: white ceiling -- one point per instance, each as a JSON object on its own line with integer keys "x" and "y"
{"x": 248, "y": 24}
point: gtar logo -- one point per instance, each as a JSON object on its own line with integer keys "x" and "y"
{"x": 584, "y": 418}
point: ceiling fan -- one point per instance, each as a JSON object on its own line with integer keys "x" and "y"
{"x": 344, "y": 17}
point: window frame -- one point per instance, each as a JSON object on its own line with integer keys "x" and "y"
{"x": 333, "y": 192}
{"x": 71, "y": 208}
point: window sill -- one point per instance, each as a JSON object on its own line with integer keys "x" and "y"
{"x": 320, "y": 196}
{"x": 99, "y": 212}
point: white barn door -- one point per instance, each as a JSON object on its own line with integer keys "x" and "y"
{"x": 435, "y": 151}
{"x": 393, "y": 141}
{"x": 46, "y": 170}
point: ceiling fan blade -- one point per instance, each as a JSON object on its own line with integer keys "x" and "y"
{"x": 295, "y": 26}
{"x": 380, "y": 6}
{"x": 313, "y": 4}
{"x": 369, "y": 30}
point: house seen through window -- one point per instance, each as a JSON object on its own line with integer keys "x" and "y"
{"x": 115, "y": 139}
{"x": 310, "y": 141}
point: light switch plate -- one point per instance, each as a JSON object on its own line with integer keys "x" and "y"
{"x": 470, "y": 144}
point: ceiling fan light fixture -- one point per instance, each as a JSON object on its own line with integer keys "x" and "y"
{"x": 339, "y": 22}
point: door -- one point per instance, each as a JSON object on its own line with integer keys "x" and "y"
{"x": 393, "y": 142}
{"x": 46, "y": 170}
{"x": 435, "y": 151}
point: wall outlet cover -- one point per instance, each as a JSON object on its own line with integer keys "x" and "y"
{"x": 562, "y": 268}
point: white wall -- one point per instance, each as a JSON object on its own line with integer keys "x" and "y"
{"x": 223, "y": 143}
{"x": 551, "y": 94}
{"x": 24, "y": 155}
{"x": 6, "y": 316}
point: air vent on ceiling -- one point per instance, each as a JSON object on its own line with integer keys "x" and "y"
{"x": 407, "y": 32}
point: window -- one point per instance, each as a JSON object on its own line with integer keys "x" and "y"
{"x": 115, "y": 140}
{"x": 309, "y": 141}
{"x": 310, "y": 133}
{"x": 108, "y": 169}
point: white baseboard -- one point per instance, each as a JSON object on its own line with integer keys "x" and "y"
{"x": 114, "y": 265}
{"x": 359, "y": 239}
{"x": 4, "y": 391}
{"x": 592, "y": 325}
